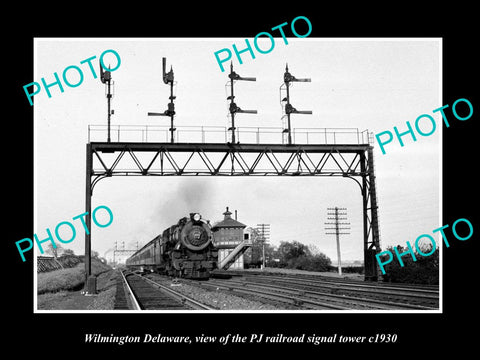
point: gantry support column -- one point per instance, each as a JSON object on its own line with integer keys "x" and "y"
{"x": 370, "y": 223}
{"x": 90, "y": 280}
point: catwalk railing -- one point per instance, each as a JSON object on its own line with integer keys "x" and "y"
{"x": 220, "y": 134}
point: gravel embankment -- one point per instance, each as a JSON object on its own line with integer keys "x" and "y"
{"x": 219, "y": 299}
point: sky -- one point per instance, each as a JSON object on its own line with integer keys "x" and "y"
{"x": 372, "y": 84}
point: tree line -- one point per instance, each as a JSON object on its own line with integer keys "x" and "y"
{"x": 295, "y": 255}
{"x": 291, "y": 255}
{"x": 59, "y": 250}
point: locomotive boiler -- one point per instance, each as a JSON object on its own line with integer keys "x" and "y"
{"x": 183, "y": 250}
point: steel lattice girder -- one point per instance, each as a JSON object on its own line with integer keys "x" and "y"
{"x": 163, "y": 159}
{"x": 224, "y": 159}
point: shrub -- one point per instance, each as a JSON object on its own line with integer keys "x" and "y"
{"x": 318, "y": 262}
{"x": 425, "y": 270}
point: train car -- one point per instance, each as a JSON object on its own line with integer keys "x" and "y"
{"x": 183, "y": 250}
{"x": 148, "y": 257}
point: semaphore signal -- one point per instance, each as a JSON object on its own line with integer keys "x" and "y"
{"x": 168, "y": 79}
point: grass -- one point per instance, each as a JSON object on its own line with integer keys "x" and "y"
{"x": 55, "y": 289}
{"x": 66, "y": 279}
{"x": 63, "y": 279}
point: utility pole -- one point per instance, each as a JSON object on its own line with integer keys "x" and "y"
{"x": 264, "y": 231}
{"x": 339, "y": 226}
{"x": 114, "y": 252}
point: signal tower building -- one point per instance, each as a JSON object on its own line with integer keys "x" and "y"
{"x": 228, "y": 234}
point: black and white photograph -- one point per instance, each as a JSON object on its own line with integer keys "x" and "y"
{"x": 283, "y": 206}
{"x": 237, "y": 182}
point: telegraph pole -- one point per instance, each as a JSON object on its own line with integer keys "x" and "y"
{"x": 114, "y": 253}
{"x": 337, "y": 214}
{"x": 264, "y": 230}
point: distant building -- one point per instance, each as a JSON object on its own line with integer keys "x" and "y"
{"x": 227, "y": 235}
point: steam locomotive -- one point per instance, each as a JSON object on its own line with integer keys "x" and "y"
{"x": 182, "y": 250}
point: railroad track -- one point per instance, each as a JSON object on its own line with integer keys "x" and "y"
{"x": 304, "y": 293}
{"x": 290, "y": 298}
{"x": 146, "y": 294}
{"x": 401, "y": 296}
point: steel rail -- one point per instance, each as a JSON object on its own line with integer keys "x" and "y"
{"x": 131, "y": 294}
{"x": 387, "y": 290}
{"x": 320, "y": 279}
{"x": 359, "y": 301}
{"x": 273, "y": 295}
{"x": 183, "y": 298}
{"x": 340, "y": 285}
{"x": 330, "y": 279}
{"x": 406, "y": 286}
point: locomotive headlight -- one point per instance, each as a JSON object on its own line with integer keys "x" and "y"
{"x": 197, "y": 217}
